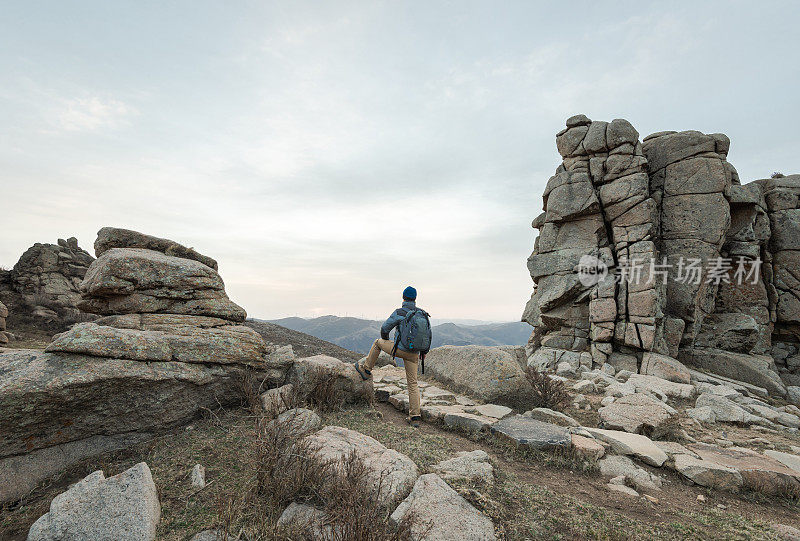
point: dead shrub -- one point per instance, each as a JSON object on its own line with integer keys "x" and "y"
{"x": 326, "y": 393}
{"x": 286, "y": 473}
{"x": 249, "y": 386}
{"x": 546, "y": 391}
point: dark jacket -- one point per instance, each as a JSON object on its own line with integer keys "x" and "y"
{"x": 394, "y": 320}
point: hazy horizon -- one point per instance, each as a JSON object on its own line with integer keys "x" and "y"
{"x": 293, "y": 142}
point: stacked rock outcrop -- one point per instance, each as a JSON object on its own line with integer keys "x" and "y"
{"x": 655, "y": 246}
{"x": 169, "y": 345}
{"x": 45, "y": 282}
{"x": 3, "y": 316}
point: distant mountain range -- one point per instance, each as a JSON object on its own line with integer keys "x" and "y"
{"x": 358, "y": 334}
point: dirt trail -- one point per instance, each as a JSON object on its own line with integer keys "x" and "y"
{"x": 675, "y": 500}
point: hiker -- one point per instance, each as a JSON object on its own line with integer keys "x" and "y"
{"x": 412, "y": 342}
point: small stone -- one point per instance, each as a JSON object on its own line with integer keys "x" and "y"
{"x": 635, "y": 445}
{"x": 493, "y": 410}
{"x": 399, "y": 401}
{"x": 622, "y": 489}
{"x": 585, "y": 386}
{"x": 546, "y": 415}
{"x": 276, "y": 401}
{"x": 623, "y": 375}
{"x": 198, "y": 477}
{"x": 587, "y": 448}
{"x": 580, "y": 401}
{"x": 701, "y": 498}
{"x": 565, "y": 369}
{"x": 471, "y": 466}
{"x": 382, "y": 394}
{"x": 615, "y": 466}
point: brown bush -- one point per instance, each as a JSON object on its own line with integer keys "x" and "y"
{"x": 547, "y": 392}
{"x": 285, "y": 472}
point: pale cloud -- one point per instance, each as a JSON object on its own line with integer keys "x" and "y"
{"x": 93, "y": 113}
{"x": 295, "y": 143}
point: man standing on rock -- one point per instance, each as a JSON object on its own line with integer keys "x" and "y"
{"x": 412, "y": 342}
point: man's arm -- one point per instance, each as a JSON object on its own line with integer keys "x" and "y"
{"x": 392, "y": 322}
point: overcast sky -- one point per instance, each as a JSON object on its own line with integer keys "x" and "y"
{"x": 328, "y": 154}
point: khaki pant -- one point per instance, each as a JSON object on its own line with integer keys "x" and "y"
{"x": 411, "y": 361}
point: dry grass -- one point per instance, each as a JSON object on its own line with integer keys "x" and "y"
{"x": 547, "y": 392}
{"x": 285, "y": 471}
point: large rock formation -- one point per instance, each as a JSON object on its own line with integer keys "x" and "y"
{"x": 45, "y": 283}
{"x": 3, "y": 316}
{"x": 655, "y": 246}
{"x": 170, "y": 345}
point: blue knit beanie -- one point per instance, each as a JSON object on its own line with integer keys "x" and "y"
{"x": 410, "y": 293}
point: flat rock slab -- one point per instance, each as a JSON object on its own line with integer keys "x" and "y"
{"x": 221, "y": 344}
{"x": 493, "y": 410}
{"x": 546, "y": 415}
{"x": 661, "y": 387}
{"x": 383, "y": 393}
{"x": 635, "y": 445}
{"x": 759, "y": 472}
{"x": 439, "y": 513}
{"x": 532, "y": 433}
{"x": 787, "y": 459}
{"x": 707, "y": 473}
{"x": 124, "y": 506}
{"x": 468, "y": 421}
{"x": 724, "y": 409}
{"x": 637, "y": 413}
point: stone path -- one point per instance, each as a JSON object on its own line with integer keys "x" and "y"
{"x": 730, "y": 469}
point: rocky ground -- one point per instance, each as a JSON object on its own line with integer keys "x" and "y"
{"x": 527, "y": 491}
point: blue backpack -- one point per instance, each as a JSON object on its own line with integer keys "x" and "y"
{"x": 414, "y": 333}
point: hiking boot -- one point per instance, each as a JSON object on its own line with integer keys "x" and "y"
{"x": 363, "y": 372}
{"x": 415, "y": 421}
